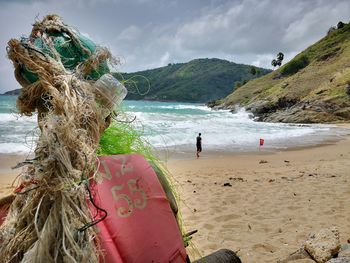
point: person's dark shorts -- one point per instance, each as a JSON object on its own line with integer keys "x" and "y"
{"x": 199, "y": 148}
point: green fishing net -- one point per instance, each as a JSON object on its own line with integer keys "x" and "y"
{"x": 122, "y": 138}
{"x": 72, "y": 52}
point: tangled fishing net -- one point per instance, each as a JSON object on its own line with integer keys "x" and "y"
{"x": 66, "y": 81}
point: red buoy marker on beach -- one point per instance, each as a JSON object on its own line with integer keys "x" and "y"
{"x": 261, "y": 143}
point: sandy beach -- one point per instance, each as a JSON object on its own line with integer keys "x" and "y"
{"x": 262, "y": 205}
{"x": 271, "y": 201}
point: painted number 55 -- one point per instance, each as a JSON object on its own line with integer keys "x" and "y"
{"x": 130, "y": 202}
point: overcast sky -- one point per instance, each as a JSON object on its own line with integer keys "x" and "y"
{"x": 146, "y": 34}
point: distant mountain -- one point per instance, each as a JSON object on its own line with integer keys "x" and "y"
{"x": 313, "y": 87}
{"x": 12, "y": 92}
{"x": 200, "y": 80}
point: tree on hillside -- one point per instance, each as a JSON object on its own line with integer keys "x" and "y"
{"x": 253, "y": 70}
{"x": 280, "y": 56}
{"x": 340, "y": 25}
{"x": 278, "y": 61}
{"x": 274, "y": 63}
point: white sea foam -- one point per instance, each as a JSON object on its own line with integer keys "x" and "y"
{"x": 227, "y": 131}
{"x": 15, "y": 148}
{"x": 176, "y": 125}
{"x": 13, "y": 117}
{"x": 186, "y": 107}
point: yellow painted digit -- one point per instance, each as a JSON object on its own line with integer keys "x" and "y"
{"x": 122, "y": 211}
{"x": 134, "y": 188}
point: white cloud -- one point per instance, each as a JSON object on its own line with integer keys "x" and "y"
{"x": 263, "y": 60}
{"x": 164, "y": 60}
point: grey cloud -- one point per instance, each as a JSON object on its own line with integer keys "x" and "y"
{"x": 256, "y": 26}
{"x": 152, "y": 33}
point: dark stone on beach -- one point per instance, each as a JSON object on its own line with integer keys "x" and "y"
{"x": 290, "y": 110}
{"x": 213, "y": 103}
{"x": 263, "y": 161}
{"x": 286, "y": 102}
{"x": 220, "y": 256}
{"x": 261, "y": 107}
{"x": 227, "y": 184}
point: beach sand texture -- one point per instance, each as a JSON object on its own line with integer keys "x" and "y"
{"x": 270, "y": 205}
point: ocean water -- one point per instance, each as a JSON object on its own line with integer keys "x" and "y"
{"x": 174, "y": 126}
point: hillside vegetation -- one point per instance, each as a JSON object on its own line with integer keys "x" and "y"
{"x": 313, "y": 87}
{"x": 200, "y": 80}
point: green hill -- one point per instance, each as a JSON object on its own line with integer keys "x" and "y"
{"x": 200, "y": 80}
{"x": 313, "y": 87}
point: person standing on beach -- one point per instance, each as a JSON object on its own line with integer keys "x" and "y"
{"x": 199, "y": 144}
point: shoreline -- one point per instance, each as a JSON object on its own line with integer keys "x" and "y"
{"x": 168, "y": 155}
{"x": 9, "y": 160}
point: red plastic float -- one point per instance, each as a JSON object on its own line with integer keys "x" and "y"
{"x": 140, "y": 225}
